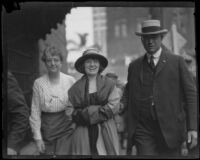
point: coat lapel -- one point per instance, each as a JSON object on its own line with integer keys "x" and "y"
{"x": 141, "y": 68}
{"x": 162, "y": 62}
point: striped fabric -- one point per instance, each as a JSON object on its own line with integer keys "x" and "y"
{"x": 48, "y": 98}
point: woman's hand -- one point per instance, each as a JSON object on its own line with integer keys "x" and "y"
{"x": 69, "y": 111}
{"x": 80, "y": 117}
{"x": 40, "y": 145}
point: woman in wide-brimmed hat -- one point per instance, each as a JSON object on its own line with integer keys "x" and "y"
{"x": 95, "y": 100}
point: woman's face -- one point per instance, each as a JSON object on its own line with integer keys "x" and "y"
{"x": 53, "y": 63}
{"x": 91, "y": 67}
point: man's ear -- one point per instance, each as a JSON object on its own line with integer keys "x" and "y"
{"x": 162, "y": 36}
{"x": 142, "y": 39}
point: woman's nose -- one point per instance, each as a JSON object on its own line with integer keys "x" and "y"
{"x": 92, "y": 63}
{"x": 52, "y": 62}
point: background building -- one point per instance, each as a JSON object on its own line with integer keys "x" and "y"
{"x": 100, "y": 28}
{"x": 122, "y": 43}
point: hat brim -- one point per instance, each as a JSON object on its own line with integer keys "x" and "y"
{"x": 164, "y": 31}
{"x": 80, "y": 61}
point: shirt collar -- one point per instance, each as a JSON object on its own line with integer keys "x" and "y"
{"x": 155, "y": 55}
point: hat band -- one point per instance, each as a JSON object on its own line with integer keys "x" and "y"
{"x": 151, "y": 29}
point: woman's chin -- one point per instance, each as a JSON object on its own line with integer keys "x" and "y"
{"x": 53, "y": 71}
{"x": 92, "y": 73}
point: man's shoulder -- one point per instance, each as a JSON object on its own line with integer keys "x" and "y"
{"x": 136, "y": 61}
{"x": 171, "y": 55}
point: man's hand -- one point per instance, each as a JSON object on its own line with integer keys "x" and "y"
{"x": 192, "y": 139}
{"x": 40, "y": 145}
{"x": 11, "y": 151}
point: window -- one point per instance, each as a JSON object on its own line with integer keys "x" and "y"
{"x": 117, "y": 30}
{"x": 124, "y": 30}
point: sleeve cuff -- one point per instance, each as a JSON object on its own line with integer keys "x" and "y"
{"x": 37, "y": 135}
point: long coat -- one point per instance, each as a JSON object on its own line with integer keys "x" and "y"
{"x": 107, "y": 99}
{"x": 172, "y": 88}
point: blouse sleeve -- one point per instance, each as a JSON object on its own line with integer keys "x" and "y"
{"x": 69, "y": 109}
{"x": 35, "y": 118}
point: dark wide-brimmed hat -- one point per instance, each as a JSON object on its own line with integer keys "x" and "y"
{"x": 151, "y": 27}
{"x": 90, "y": 53}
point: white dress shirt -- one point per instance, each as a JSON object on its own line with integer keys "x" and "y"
{"x": 156, "y": 56}
{"x": 48, "y": 98}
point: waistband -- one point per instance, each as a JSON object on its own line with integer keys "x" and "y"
{"x": 52, "y": 113}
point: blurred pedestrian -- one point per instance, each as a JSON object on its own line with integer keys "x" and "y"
{"x": 190, "y": 64}
{"x": 95, "y": 100}
{"x": 50, "y": 124}
{"x": 17, "y": 116}
{"x": 120, "y": 118}
{"x": 158, "y": 84}
{"x": 192, "y": 68}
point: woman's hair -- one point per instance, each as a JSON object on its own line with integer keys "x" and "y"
{"x": 52, "y": 51}
{"x": 100, "y": 67}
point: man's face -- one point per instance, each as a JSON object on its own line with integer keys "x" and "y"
{"x": 152, "y": 43}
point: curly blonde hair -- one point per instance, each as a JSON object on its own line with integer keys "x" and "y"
{"x": 52, "y": 50}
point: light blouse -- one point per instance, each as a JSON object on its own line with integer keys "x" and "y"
{"x": 48, "y": 98}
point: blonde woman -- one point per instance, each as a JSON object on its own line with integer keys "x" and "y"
{"x": 51, "y": 126}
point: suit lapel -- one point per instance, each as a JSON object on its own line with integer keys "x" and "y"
{"x": 141, "y": 68}
{"x": 162, "y": 62}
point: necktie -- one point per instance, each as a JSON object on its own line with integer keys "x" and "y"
{"x": 152, "y": 62}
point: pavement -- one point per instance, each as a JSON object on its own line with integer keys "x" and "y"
{"x": 31, "y": 149}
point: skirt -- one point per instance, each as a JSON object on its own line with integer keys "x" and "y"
{"x": 56, "y": 129}
{"x": 107, "y": 141}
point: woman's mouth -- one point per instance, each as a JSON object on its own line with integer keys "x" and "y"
{"x": 92, "y": 69}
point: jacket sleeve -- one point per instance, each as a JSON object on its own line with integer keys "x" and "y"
{"x": 124, "y": 100}
{"x": 18, "y": 113}
{"x": 190, "y": 93}
{"x": 125, "y": 95}
{"x": 97, "y": 113}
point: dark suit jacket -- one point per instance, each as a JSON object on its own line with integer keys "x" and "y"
{"x": 172, "y": 86}
{"x": 17, "y": 113}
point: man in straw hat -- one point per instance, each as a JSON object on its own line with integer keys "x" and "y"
{"x": 158, "y": 83}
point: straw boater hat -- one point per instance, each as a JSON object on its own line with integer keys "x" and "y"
{"x": 151, "y": 27}
{"x": 90, "y": 53}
